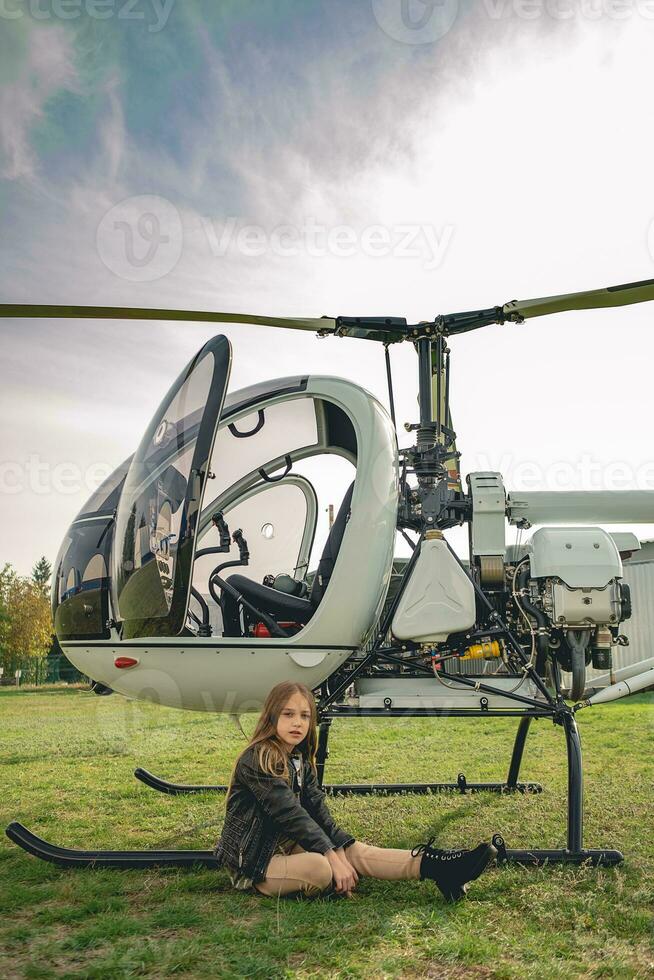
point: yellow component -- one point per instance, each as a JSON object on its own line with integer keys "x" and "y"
{"x": 486, "y": 650}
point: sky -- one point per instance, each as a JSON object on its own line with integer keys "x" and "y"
{"x": 368, "y": 157}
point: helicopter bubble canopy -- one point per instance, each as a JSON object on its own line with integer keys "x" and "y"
{"x": 307, "y": 467}
{"x": 161, "y": 498}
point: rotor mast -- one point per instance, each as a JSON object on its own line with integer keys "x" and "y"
{"x": 438, "y": 501}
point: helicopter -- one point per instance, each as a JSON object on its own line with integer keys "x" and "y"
{"x": 186, "y": 579}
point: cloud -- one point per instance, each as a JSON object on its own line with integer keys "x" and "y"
{"x": 46, "y": 69}
{"x": 316, "y": 116}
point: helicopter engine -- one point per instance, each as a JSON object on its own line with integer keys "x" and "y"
{"x": 567, "y": 591}
{"x": 561, "y": 592}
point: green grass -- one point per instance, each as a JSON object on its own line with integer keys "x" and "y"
{"x": 67, "y": 758}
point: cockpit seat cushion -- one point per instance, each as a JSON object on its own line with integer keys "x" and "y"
{"x": 279, "y": 605}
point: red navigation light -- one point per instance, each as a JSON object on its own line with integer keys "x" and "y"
{"x": 261, "y": 630}
{"x": 125, "y": 662}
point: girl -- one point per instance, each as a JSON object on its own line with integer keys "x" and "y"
{"x": 279, "y": 837}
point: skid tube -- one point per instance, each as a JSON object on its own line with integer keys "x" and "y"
{"x": 66, "y": 857}
{"x": 510, "y": 785}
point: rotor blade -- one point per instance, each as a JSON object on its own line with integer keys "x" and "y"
{"x": 593, "y": 299}
{"x": 327, "y": 324}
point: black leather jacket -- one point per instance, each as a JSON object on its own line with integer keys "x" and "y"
{"x": 261, "y": 809}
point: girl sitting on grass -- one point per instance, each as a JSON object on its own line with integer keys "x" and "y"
{"x": 279, "y": 837}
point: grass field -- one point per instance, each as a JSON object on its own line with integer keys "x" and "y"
{"x": 67, "y": 758}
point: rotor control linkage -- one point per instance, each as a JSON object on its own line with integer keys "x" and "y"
{"x": 220, "y": 524}
{"x": 242, "y": 545}
{"x": 273, "y": 627}
{"x": 216, "y": 580}
{"x": 243, "y": 556}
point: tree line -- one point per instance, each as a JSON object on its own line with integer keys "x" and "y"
{"x": 27, "y": 637}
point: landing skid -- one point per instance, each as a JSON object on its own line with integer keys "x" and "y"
{"x": 541, "y": 856}
{"x": 511, "y": 785}
{"x": 361, "y": 789}
{"x": 66, "y": 857}
{"x": 574, "y": 852}
{"x": 173, "y": 789}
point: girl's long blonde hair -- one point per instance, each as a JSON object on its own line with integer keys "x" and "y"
{"x": 271, "y": 754}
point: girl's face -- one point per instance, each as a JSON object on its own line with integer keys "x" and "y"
{"x": 294, "y": 720}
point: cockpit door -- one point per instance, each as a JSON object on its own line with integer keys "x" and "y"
{"x": 156, "y": 524}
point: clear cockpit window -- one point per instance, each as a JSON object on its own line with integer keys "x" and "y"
{"x": 157, "y": 487}
{"x": 250, "y": 442}
{"x": 278, "y": 523}
{"x": 105, "y": 498}
{"x": 80, "y": 589}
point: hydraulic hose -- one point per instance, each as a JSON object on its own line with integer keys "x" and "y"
{"x": 542, "y": 640}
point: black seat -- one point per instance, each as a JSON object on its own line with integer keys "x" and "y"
{"x": 280, "y": 605}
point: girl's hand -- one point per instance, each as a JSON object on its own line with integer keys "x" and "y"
{"x": 343, "y": 874}
{"x": 343, "y": 856}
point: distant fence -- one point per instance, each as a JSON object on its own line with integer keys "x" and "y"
{"x": 52, "y": 669}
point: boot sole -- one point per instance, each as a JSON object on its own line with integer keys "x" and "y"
{"x": 458, "y": 892}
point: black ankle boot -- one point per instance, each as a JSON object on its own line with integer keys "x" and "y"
{"x": 453, "y": 869}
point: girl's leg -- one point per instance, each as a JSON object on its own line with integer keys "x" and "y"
{"x": 388, "y": 863}
{"x": 301, "y": 871}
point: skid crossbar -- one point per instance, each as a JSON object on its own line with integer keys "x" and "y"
{"x": 461, "y": 785}
{"x": 573, "y": 853}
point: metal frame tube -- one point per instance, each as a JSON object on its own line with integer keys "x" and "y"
{"x": 575, "y": 784}
{"x": 424, "y": 382}
{"x": 518, "y": 750}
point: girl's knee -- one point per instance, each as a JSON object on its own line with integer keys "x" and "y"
{"x": 315, "y": 876}
{"x": 312, "y": 878}
{"x": 319, "y": 870}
